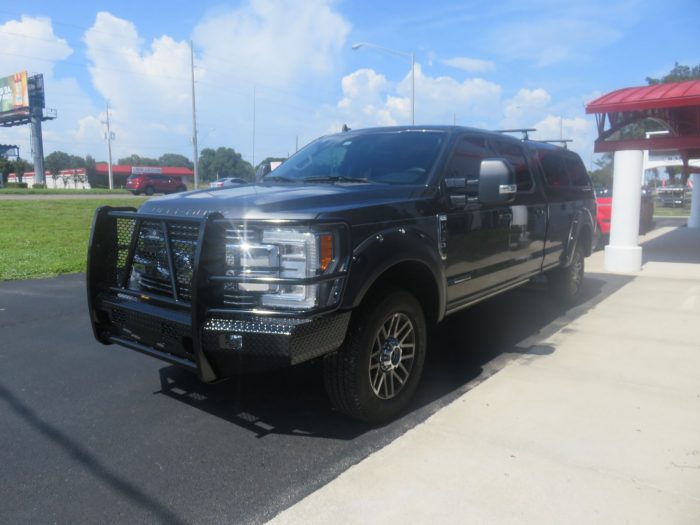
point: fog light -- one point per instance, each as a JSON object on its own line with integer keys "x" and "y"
{"x": 233, "y": 342}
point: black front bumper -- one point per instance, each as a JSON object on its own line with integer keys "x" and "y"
{"x": 214, "y": 342}
{"x": 229, "y": 345}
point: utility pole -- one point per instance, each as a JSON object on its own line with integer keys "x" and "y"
{"x": 194, "y": 122}
{"x": 109, "y": 138}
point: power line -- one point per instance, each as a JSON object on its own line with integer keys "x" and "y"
{"x": 103, "y": 68}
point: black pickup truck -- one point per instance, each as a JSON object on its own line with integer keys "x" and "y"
{"x": 345, "y": 253}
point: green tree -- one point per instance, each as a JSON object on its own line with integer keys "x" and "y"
{"x": 57, "y": 161}
{"x": 224, "y": 162}
{"x": 91, "y": 172}
{"x": 135, "y": 160}
{"x": 76, "y": 162}
{"x": 602, "y": 175}
{"x": 175, "y": 160}
{"x": 679, "y": 73}
{"x": 6, "y": 167}
{"x": 21, "y": 166}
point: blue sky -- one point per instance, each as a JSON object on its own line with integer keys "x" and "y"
{"x": 478, "y": 63}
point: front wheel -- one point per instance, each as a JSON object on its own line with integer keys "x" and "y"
{"x": 149, "y": 190}
{"x": 566, "y": 284}
{"x": 376, "y": 371}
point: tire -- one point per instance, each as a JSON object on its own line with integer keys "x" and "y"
{"x": 180, "y": 189}
{"x": 566, "y": 284}
{"x": 149, "y": 190}
{"x": 373, "y": 376}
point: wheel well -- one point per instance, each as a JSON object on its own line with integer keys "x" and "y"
{"x": 414, "y": 277}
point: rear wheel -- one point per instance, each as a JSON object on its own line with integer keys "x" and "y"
{"x": 376, "y": 371}
{"x": 566, "y": 284}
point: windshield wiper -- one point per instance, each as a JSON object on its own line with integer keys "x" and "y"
{"x": 277, "y": 178}
{"x": 334, "y": 178}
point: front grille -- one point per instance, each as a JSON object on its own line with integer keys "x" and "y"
{"x": 152, "y": 270}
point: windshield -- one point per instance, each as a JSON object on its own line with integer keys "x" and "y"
{"x": 388, "y": 157}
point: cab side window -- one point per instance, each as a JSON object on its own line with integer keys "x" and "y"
{"x": 513, "y": 153}
{"x": 466, "y": 158}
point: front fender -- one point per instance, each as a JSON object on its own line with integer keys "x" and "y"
{"x": 387, "y": 248}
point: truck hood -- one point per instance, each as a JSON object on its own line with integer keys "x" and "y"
{"x": 289, "y": 201}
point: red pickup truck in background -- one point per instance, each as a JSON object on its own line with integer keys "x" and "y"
{"x": 603, "y": 216}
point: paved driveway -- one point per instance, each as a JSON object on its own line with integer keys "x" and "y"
{"x": 92, "y": 433}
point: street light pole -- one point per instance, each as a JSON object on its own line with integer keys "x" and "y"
{"x": 194, "y": 123}
{"x": 412, "y": 56}
{"x": 109, "y": 136}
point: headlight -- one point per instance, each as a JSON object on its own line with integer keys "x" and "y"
{"x": 285, "y": 253}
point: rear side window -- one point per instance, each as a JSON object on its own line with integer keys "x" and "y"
{"x": 554, "y": 169}
{"x": 514, "y": 153}
{"x": 577, "y": 172}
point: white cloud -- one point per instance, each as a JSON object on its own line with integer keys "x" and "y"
{"x": 31, "y": 44}
{"x": 148, "y": 83}
{"x": 369, "y": 99}
{"x": 145, "y": 86}
{"x": 470, "y": 65}
{"x": 273, "y": 42}
{"x": 525, "y": 107}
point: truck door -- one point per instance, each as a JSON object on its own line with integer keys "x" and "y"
{"x": 560, "y": 202}
{"x": 528, "y": 229}
{"x": 476, "y": 234}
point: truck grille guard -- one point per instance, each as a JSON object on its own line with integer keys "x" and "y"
{"x": 180, "y": 268}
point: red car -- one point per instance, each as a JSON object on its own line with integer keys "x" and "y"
{"x": 150, "y": 183}
{"x": 604, "y": 204}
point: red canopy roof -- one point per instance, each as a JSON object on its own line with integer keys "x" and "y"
{"x": 659, "y": 96}
{"x": 675, "y": 105}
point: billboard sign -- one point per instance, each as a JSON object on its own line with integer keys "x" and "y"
{"x": 14, "y": 93}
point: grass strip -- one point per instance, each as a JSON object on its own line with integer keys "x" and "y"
{"x": 44, "y": 238}
{"x": 58, "y": 191}
{"x": 671, "y": 212}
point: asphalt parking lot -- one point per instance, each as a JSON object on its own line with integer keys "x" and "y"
{"x": 93, "y": 433}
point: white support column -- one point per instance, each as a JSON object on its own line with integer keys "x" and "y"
{"x": 694, "y": 220}
{"x": 623, "y": 255}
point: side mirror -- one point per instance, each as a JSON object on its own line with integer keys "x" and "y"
{"x": 496, "y": 182}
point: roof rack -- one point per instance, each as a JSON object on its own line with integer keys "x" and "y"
{"x": 563, "y": 142}
{"x": 524, "y": 131}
